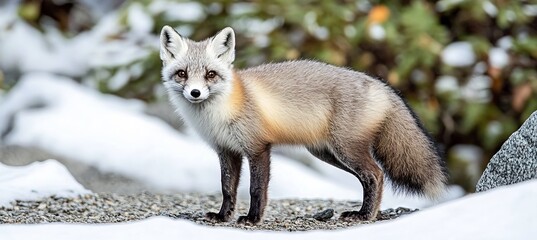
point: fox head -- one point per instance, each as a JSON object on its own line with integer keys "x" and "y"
{"x": 197, "y": 70}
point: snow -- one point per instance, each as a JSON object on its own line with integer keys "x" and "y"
{"x": 114, "y": 135}
{"x": 139, "y": 21}
{"x": 498, "y": 57}
{"x": 505, "y": 42}
{"x": 99, "y": 8}
{"x": 321, "y": 33}
{"x": 109, "y": 133}
{"x": 310, "y": 21}
{"x": 530, "y": 10}
{"x": 444, "y": 5}
{"x": 490, "y": 8}
{"x": 25, "y": 49}
{"x": 494, "y": 128}
{"x": 458, "y": 54}
{"x": 480, "y": 68}
{"x": 36, "y": 181}
{"x": 377, "y": 32}
{"x": 119, "y": 80}
{"x": 178, "y": 11}
{"x": 185, "y": 30}
{"x": 446, "y": 84}
{"x": 242, "y": 8}
{"x": 510, "y": 15}
{"x": 477, "y": 89}
{"x": 259, "y": 29}
{"x": 8, "y": 12}
{"x": 503, "y": 213}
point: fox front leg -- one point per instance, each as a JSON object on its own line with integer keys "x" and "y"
{"x": 230, "y": 170}
{"x": 259, "y": 179}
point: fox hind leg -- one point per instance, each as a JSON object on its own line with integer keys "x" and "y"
{"x": 354, "y": 156}
{"x": 359, "y": 163}
{"x": 357, "y": 156}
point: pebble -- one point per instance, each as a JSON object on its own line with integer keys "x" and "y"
{"x": 280, "y": 215}
{"x": 324, "y": 215}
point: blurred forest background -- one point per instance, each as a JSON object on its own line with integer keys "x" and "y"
{"x": 468, "y": 68}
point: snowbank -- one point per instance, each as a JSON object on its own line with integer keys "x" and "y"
{"x": 25, "y": 49}
{"x": 36, "y": 181}
{"x": 503, "y": 213}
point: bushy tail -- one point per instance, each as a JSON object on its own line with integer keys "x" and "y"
{"x": 409, "y": 156}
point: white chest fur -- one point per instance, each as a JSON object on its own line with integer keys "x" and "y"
{"x": 212, "y": 122}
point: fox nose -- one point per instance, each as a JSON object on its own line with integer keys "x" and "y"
{"x": 195, "y": 93}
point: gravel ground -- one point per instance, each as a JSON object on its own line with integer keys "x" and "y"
{"x": 119, "y": 199}
{"x": 280, "y": 215}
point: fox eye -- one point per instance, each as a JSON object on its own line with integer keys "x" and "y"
{"x": 181, "y": 73}
{"x": 211, "y": 74}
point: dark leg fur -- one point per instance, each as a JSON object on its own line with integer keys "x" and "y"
{"x": 326, "y": 156}
{"x": 230, "y": 167}
{"x": 371, "y": 177}
{"x": 259, "y": 179}
{"x": 362, "y": 165}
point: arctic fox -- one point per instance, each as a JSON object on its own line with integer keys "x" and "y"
{"x": 345, "y": 118}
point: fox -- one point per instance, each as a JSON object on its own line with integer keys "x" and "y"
{"x": 343, "y": 117}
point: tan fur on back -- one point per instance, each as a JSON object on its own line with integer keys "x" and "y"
{"x": 285, "y": 122}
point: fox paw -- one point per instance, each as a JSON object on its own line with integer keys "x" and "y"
{"x": 216, "y": 217}
{"x": 248, "y": 220}
{"x": 356, "y": 216}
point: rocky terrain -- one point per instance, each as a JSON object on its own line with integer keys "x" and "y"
{"x": 280, "y": 215}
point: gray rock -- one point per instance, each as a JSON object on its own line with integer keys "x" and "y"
{"x": 324, "y": 215}
{"x": 516, "y": 161}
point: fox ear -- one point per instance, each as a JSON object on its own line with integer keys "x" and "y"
{"x": 171, "y": 44}
{"x": 222, "y": 45}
